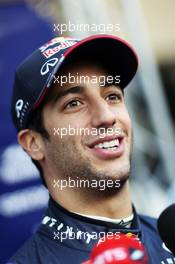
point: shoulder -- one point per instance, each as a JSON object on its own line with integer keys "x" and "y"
{"x": 148, "y": 220}
{"x": 42, "y": 249}
{"x": 35, "y": 250}
{"x": 152, "y": 240}
{"x": 148, "y": 223}
{"x": 149, "y": 229}
{"x": 26, "y": 253}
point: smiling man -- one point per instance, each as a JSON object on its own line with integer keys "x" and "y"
{"x": 77, "y": 87}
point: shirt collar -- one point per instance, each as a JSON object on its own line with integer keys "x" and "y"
{"x": 79, "y": 231}
{"x": 125, "y": 221}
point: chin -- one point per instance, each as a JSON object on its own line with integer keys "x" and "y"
{"x": 117, "y": 169}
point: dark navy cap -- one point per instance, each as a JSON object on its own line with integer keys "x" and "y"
{"x": 36, "y": 73}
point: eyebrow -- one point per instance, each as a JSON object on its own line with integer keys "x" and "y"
{"x": 71, "y": 90}
{"x": 81, "y": 90}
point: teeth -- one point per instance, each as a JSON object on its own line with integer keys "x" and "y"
{"x": 117, "y": 142}
{"x": 106, "y": 144}
{"x": 112, "y": 145}
{"x": 114, "y": 148}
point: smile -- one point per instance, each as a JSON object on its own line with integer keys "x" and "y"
{"x": 109, "y": 145}
{"x": 108, "y": 148}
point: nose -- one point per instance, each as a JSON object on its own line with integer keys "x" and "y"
{"x": 102, "y": 115}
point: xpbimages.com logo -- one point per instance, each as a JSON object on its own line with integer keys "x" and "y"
{"x": 86, "y": 27}
{"x": 102, "y": 80}
{"x": 101, "y": 132}
{"x": 101, "y": 184}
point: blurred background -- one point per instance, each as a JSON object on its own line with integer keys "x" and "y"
{"x": 149, "y": 27}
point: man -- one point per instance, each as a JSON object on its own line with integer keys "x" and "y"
{"x": 68, "y": 107}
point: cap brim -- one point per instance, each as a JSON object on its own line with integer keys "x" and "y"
{"x": 116, "y": 54}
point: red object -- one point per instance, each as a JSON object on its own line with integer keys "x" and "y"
{"x": 122, "y": 250}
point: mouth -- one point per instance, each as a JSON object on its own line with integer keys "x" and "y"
{"x": 108, "y": 147}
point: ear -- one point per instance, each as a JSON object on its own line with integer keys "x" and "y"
{"x": 32, "y": 143}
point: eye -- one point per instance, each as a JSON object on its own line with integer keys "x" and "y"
{"x": 72, "y": 104}
{"x": 113, "y": 97}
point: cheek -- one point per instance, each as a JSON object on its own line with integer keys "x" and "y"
{"x": 128, "y": 121}
{"x": 128, "y": 125}
{"x": 66, "y": 121}
{"x": 55, "y": 120}
{"x": 69, "y": 129}
{"x": 124, "y": 118}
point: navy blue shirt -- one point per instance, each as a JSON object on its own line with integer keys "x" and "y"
{"x": 64, "y": 237}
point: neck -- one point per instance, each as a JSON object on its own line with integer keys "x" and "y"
{"x": 116, "y": 206}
